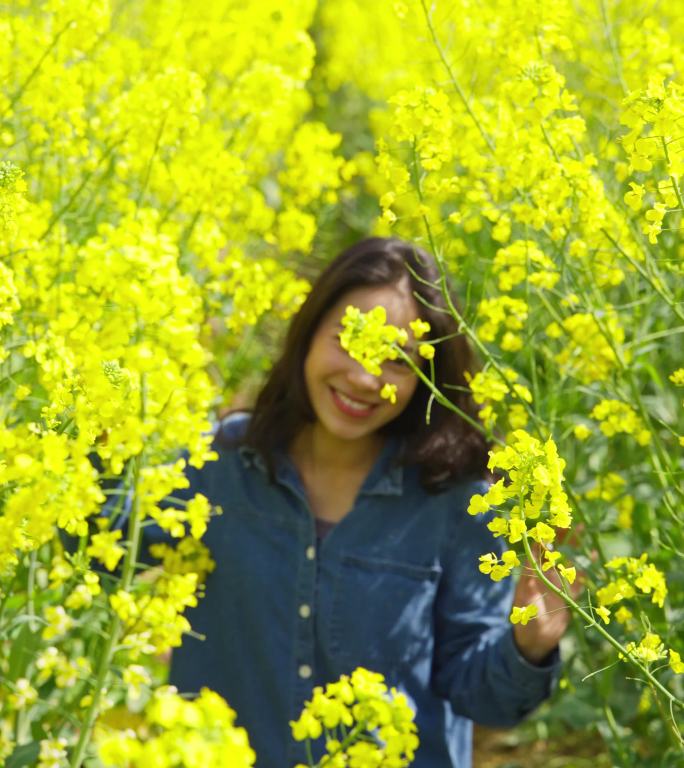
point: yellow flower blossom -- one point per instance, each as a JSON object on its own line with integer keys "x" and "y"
{"x": 389, "y": 392}
{"x": 677, "y": 377}
{"x": 361, "y": 701}
{"x": 649, "y": 649}
{"x": 419, "y": 328}
{"x": 617, "y": 417}
{"x": 369, "y": 339}
{"x": 676, "y": 663}
{"x": 522, "y": 615}
{"x": 426, "y": 351}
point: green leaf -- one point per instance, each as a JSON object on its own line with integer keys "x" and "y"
{"x": 26, "y": 754}
{"x": 24, "y": 647}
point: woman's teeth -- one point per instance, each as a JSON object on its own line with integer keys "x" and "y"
{"x": 353, "y": 404}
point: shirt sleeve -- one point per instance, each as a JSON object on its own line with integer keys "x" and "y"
{"x": 478, "y": 667}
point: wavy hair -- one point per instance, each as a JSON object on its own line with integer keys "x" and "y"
{"x": 445, "y": 449}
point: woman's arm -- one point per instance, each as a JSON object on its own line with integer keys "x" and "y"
{"x": 478, "y": 666}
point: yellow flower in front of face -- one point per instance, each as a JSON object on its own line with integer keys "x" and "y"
{"x": 427, "y": 351}
{"x": 419, "y": 328}
{"x": 369, "y": 339}
{"x": 389, "y": 392}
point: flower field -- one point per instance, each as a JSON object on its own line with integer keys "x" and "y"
{"x": 172, "y": 175}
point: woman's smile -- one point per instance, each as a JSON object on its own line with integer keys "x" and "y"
{"x": 351, "y": 406}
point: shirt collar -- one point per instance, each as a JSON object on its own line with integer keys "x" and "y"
{"x": 386, "y": 477}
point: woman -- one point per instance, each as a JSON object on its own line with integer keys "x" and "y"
{"x": 344, "y": 539}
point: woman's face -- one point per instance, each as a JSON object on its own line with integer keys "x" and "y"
{"x": 344, "y": 396}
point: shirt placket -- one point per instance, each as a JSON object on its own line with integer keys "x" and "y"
{"x": 304, "y": 620}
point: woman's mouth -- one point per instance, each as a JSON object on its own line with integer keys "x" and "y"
{"x": 350, "y": 406}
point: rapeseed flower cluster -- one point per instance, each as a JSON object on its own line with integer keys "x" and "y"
{"x": 535, "y": 485}
{"x": 539, "y": 508}
{"x": 178, "y": 733}
{"x": 370, "y": 339}
{"x": 501, "y": 397}
{"x": 158, "y": 171}
{"x": 505, "y": 315}
{"x": 161, "y": 176}
{"x": 364, "y": 723}
{"x": 588, "y": 346}
{"x": 633, "y": 576}
{"x": 611, "y": 488}
{"x": 523, "y": 261}
{"x": 616, "y": 417}
{"x": 653, "y": 147}
{"x": 12, "y": 189}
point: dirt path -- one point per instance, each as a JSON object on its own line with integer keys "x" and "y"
{"x": 503, "y": 749}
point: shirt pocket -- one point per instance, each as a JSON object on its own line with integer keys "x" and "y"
{"x": 382, "y": 612}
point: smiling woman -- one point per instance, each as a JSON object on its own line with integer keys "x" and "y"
{"x": 404, "y": 280}
{"x": 344, "y": 540}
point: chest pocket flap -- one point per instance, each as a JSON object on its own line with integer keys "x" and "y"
{"x": 382, "y": 611}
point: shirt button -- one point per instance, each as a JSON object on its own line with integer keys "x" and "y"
{"x": 305, "y": 671}
{"x": 304, "y": 611}
{"x": 311, "y": 553}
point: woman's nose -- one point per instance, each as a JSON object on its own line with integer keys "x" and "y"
{"x": 360, "y": 379}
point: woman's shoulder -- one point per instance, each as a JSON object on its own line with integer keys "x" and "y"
{"x": 456, "y": 494}
{"x": 229, "y": 431}
{"x": 454, "y": 500}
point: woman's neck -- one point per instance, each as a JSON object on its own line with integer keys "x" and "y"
{"x": 315, "y": 449}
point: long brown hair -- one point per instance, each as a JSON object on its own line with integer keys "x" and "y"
{"x": 445, "y": 449}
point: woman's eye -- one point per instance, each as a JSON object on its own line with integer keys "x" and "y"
{"x": 401, "y": 363}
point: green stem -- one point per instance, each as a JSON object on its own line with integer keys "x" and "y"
{"x": 53, "y": 44}
{"x": 617, "y": 741}
{"x": 660, "y": 459}
{"x": 591, "y": 622}
{"x": 87, "y": 176}
{"x": 31, "y": 590}
{"x": 148, "y": 168}
{"x": 114, "y": 630}
{"x": 348, "y": 741}
{"x": 617, "y": 61}
{"x": 464, "y": 327}
{"x": 452, "y": 77}
{"x": 441, "y": 398}
{"x": 656, "y": 284}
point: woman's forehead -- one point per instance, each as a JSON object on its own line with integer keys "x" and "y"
{"x": 397, "y": 299}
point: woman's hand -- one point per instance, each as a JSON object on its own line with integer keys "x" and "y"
{"x": 536, "y": 639}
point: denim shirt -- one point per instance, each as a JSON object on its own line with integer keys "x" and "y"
{"x": 394, "y": 587}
